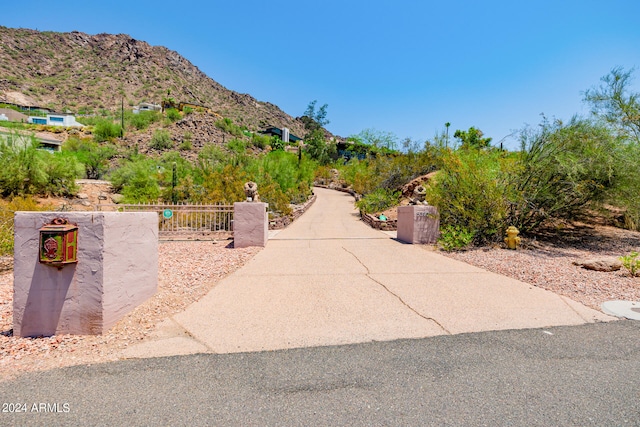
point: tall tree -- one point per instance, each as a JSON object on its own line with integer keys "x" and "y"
{"x": 616, "y": 104}
{"x": 472, "y": 138}
{"x": 315, "y": 119}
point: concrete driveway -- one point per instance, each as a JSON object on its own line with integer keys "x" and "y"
{"x": 329, "y": 279}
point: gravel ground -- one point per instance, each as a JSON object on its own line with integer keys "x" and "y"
{"x": 182, "y": 280}
{"x": 545, "y": 262}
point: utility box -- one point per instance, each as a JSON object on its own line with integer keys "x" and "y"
{"x": 107, "y": 265}
{"x": 58, "y": 243}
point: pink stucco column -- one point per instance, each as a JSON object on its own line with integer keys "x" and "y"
{"x": 250, "y": 224}
{"x": 418, "y": 224}
{"x": 117, "y": 270}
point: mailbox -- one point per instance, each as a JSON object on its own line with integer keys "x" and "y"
{"x": 59, "y": 243}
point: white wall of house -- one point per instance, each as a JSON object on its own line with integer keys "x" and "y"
{"x": 56, "y": 120}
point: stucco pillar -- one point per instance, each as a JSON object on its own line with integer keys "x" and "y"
{"x": 418, "y": 224}
{"x": 117, "y": 270}
{"x": 250, "y": 224}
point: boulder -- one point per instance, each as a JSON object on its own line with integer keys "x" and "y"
{"x": 117, "y": 198}
{"x": 600, "y": 264}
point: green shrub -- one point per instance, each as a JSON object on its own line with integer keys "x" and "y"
{"x": 562, "y": 171}
{"x": 25, "y": 170}
{"x": 137, "y": 181}
{"x": 161, "y": 140}
{"x": 453, "y": 237}
{"x": 631, "y": 263}
{"x": 143, "y": 119}
{"x": 360, "y": 175}
{"x": 173, "y": 114}
{"x": 378, "y": 200}
{"x": 186, "y": 142}
{"x": 237, "y": 146}
{"x": 276, "y": 143}
{"x": 228, "y": 126}
{"x": 470, "y": 192}
{"x": 105, "y": 130}
{"x": 95, "y": 157}
{"x": 7, "y": 211}
{"x": 259, "y": 141}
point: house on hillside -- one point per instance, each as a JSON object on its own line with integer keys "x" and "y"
{"x": 283, "y": 134}
{"x": 67, "y": 120}
{"x": 146, "y": 106}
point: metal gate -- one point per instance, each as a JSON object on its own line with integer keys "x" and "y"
{"x": 185, "y": 221}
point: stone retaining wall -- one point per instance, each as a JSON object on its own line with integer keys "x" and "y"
{"x": 281, "y": 222}
{"x": 373, "y": 222}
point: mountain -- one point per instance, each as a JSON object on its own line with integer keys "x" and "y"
{"x": 86, "y": 74}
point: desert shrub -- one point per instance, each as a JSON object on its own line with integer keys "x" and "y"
{"x": 293, "y": 178}
{"x": 361, "y": 175}
{"x": 143, "y": 119}
{"x": 378, "y": 200}
{"x": 624, "y": 194}
{"x": 276, "y": 143}
{"x": 561, "y": 171}
{"x": 470, "y": 191}
{"x": 631, "y": 263}
{"x": 225, "y": 185}
{"x": 137, "y": 180}
{"x": 93, "y": 156}
{"x": 270, "y": 192}
{"x": 237, "y": 146}
{"x": 105, "y": 130}
{"x": 24, "y": 169}
{"x": 161, "y": 140}
{"x": 453, "y": 237}
{"x": 228, "y": 126}
{"x": 211, "y": 158}
{"x": 7, "y": 210}
{"x": 173, "y": 114}
{"x": 260, "y": 141}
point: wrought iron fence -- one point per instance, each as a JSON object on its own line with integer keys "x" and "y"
{"x": 189, "y": 221}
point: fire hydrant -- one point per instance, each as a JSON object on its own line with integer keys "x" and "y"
{"x": 512, "y": 240}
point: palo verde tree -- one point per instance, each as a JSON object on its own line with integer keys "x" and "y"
{"x": 314, "y": 121}
{"x": 614, "y": 102}
{"x": 472, "y": 138}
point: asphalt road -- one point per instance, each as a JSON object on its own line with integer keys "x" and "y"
{"x": 564, "y": 376}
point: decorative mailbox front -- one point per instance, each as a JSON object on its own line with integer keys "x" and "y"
{"x": 59, "y": 243}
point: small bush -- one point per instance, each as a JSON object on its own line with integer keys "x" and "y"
{"x": 228, "y": 126}
{"x": 25, "y": 170}
{"x": 161, "y": 140}
{"x": 453, "y": 237}
{"x": 237, "y": 146}
{"x": 631, "y": 263}
{"x": 173, "y": 114}
{"x": 378, "y": 200}
{"x": 137, "y": 181}
{"x": 7, "y": 211}
{"x": 186, "y": 141}
{"x": 143, "y": 119}
{"x": 105, "y": 130}
{"x": 260, "y": 141}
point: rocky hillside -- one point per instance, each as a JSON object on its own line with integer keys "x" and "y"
{"x": 85, "y": 74}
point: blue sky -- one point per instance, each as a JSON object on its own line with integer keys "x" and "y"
{"x": 405, "y": 67}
